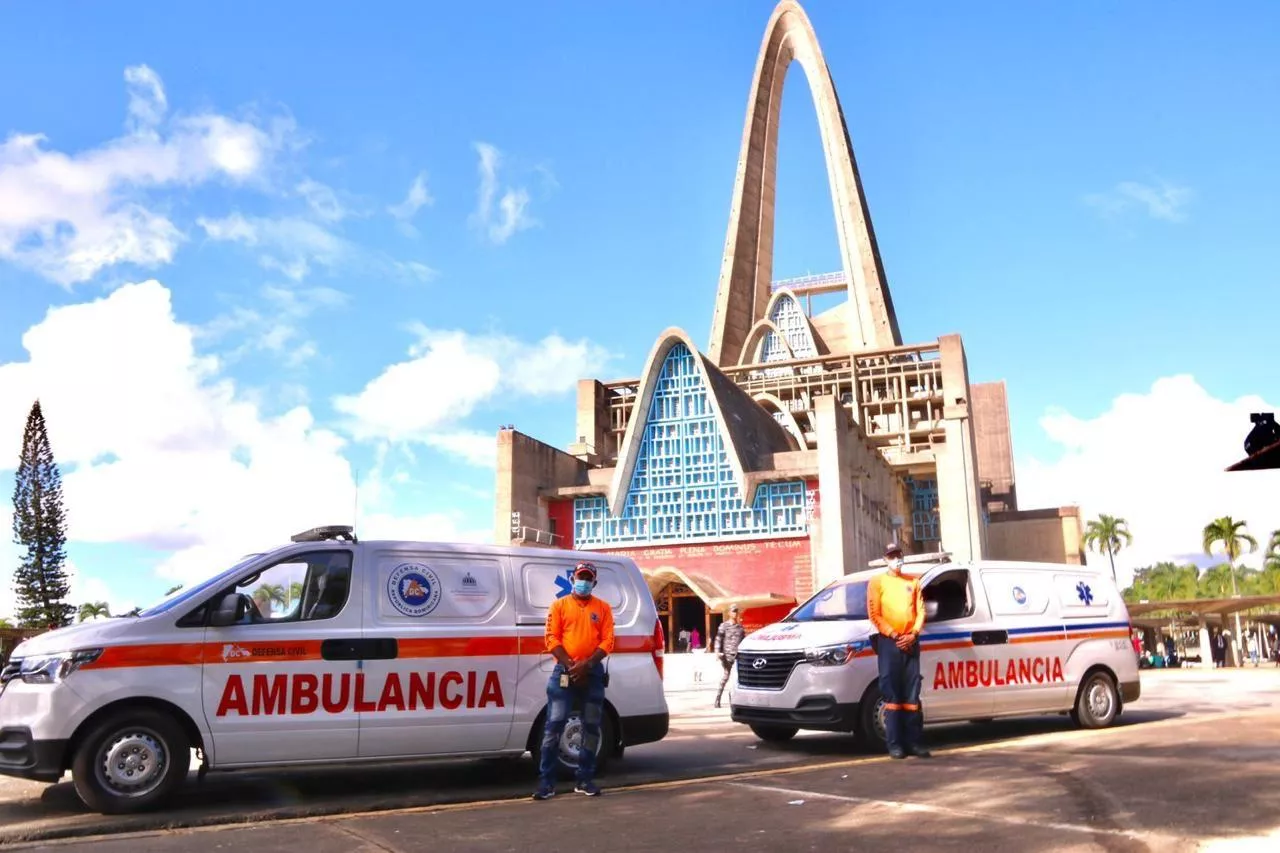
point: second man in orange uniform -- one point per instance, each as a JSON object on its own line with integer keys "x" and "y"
{"x": 896, "y": 607}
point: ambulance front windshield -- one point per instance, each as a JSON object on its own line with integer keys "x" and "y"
{"x": 185, "y": 594}
{"x": 836, "y": 603}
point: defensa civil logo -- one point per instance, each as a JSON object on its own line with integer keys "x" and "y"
{"x": 1019, "y": 595}
{"x": 414, "y": 589}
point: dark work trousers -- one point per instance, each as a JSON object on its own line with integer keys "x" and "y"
{"x": 900, "y": 687}
{"x": 727, "y": 662}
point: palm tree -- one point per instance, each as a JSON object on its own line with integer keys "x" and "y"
{"x": 5, "y": 623}
{"x": 269, "y": 594}
{"x": 171, "y": 590}
{"x": 1273, "y": 546}
{"x": 94, "y": 609}
{"x": 1110, "y": 533}
{"x": 1230, "y": 533}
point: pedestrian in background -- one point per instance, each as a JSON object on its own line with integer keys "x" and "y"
{"x": 895, "y": 604}
{"x": 728, "y": 637}
{"x": 579, "y": 636}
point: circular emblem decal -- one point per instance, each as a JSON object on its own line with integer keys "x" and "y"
{"x": 1019, "y": 596}
{"x": 414, "y": 589}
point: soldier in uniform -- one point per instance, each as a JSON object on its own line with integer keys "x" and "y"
{"x": 728, "y": 637}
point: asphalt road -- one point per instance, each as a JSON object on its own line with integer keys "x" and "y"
{"x": 1194, "y": 759}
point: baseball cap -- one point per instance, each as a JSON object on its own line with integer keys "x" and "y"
{"x": 733, "y": 608}
{"x": 892, "y": 548}
{"x": 584, "y": 570}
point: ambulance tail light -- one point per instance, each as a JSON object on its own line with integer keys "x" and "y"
{"x": 659, "y": 645}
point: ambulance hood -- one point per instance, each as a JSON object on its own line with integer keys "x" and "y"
{"x": 86, "y": 635}
{"x": 797, "y": 636}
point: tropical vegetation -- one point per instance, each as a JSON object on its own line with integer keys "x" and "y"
{"x": 94, "y": 610}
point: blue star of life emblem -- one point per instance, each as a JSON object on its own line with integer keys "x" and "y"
{"x": 1086, "y": 594}
{"x": 564, "y": 583}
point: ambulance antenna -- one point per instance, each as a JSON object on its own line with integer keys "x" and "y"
{"x": 355, "y": 504}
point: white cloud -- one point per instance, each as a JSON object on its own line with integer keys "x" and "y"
{"x": 450, "y": 373}
{"x": 291, "y": 245}
{"x": 277, "y": 328}
{"x": 476, "y": 448}
{"x": 147, "y": 101}
{"x": 68, "y": 216}
{"x": 1156, "y": 459}
{"x": 417, "y": 198}
{"x": 157, "y": 448}
{"x": 502, "y": 219}
{"x": 322, "y": 200}
{"x": 1160, "y": 200}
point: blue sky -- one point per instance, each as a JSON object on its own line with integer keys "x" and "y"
{"x": 1087, "y": 193}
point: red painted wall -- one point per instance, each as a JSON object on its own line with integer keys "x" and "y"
{"x": 562, "y": 513}
{"x": 756, "y": 566}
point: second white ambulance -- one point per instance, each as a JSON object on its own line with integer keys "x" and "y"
{"x": 322, "y": 651}
{"x": 1000, "y": 639}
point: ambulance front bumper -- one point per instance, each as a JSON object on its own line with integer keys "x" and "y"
{"x": 23, "y": 756}
{"x": 816, "y": 713}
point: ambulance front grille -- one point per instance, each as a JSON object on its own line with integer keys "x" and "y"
{"x": 772, "y": 674}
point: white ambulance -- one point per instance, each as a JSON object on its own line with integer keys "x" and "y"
{"x": 322, "y": 651}
{"x": 1000, "y": 639}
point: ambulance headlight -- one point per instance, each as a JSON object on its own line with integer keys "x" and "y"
{"x": 830, "y": 655}
{"x": 50, "y": 669}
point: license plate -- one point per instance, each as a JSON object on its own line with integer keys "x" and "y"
{"x": 744, "y": 697}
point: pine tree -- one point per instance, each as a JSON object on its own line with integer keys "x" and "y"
{"x": 39, "y": 525}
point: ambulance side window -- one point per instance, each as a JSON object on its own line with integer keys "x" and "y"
{"x": 953, "y": 594}
{"x": 302, "y": 588}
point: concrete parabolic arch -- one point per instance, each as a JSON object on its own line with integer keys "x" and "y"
{"x": 747, "y": 268}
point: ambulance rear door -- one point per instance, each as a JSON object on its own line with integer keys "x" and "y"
{"x": 444, "y": 682}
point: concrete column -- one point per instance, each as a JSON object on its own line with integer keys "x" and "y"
{"x": 1206, "y": 648}
{"x": 835, "y": 486}
{"x": 959, "y": 497}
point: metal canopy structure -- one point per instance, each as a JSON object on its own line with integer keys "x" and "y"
{"x": 1205, "y": 606}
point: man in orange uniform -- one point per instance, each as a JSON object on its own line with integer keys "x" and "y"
{"x": 579, "y": 636}
{"x": 896, "y": 607}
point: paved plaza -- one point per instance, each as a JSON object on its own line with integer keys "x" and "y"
{"x": 1192, "y": 767}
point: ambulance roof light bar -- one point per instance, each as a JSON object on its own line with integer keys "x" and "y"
{"x": 927, "y": 558}
{"x": 336, "y": 532}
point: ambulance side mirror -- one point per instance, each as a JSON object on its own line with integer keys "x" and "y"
{"x": 226, "y": 610}
{"x": 930, "y": 611}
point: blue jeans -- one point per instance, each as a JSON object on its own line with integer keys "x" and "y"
{"x": 589, "y": 698}
{"x": 900, "y": 687}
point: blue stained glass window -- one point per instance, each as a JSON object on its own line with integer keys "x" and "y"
{"x": 924, "y": 500}
{"x": 682, "y": 486}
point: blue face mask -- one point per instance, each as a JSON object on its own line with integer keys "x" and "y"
{"x": 582, "y": 586}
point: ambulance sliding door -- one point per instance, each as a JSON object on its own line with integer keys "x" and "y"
{"x": 446, "y": 682}
{"x": 1025, "y": 665}
{"x": 276, "y": 686}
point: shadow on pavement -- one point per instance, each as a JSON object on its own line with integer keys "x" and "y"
{"x": 254, "y": 796}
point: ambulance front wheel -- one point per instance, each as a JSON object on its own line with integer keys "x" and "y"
{"x": 1097, "y": 703}
{"x": 774, "y": 733}
{"x": 131, "y": 761}
{"x": 871, "y": 720}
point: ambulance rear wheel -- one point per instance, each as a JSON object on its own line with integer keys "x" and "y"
{"x": 774, "y": 734}
{"x": 1097, "y": 703}
{"x": 571, "y": 744}
{"x": 133, "y": 760}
